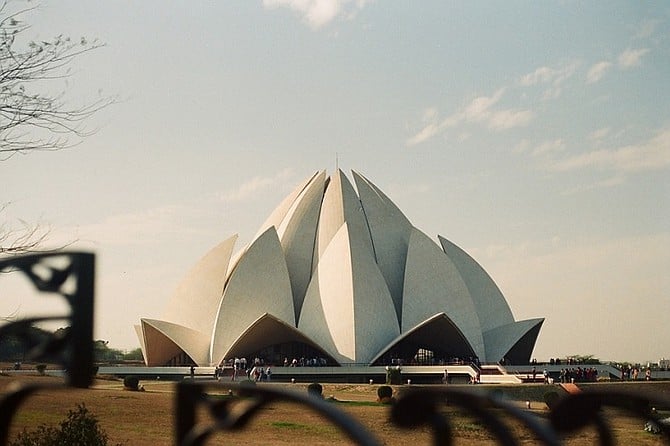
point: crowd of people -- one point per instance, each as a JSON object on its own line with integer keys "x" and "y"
{"x": 305, "y": 362}
{"x": 629, "y": 372}
{"x": 579, "y": 374}
{"x": 257, "y": 370}
{"x": 454, "y": 360}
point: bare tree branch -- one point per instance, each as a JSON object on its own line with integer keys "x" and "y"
{"x": 22, "y": 239}
{"x": 33, "y": 117}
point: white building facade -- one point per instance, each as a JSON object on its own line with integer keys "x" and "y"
{"x": 339, "y": 274}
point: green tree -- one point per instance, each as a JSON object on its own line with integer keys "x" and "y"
{"x": 134, "y": 355}
{"x": 585, "y": 359}
{"x": 15, "y": 347}
{"x": 103, "y": 353}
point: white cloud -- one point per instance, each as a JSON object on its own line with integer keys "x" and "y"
{"x": 546, "y": 147}
{"x": 424, "y": 134}
{"x": 610, "y": 182}
{"x": 430, "y": 129}
{"x": 318, "y": 13}
{"x": 507, "y": 119}
{"x": 653, "y": 154}
{"x": 607, "y": 183}
{"x": 430, "y": 114}
{"x": 554, "y": 78}
{"x": 597, "y": 71}
{"x": 631, "y": 58}
{"x": 478, "y": 109}
{"x": 627, "y": 59}
{"x": 553, "y": 92}
{"x": 599, "y": 134}
{"x": 256, "y": 186}
{"x": 541, "y": 75}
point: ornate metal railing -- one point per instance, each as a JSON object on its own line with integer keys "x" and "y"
{"x": 71, "y": 275}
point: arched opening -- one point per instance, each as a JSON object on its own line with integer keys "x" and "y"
{"x": 291, "y": 354}
{"x": 272, "y": 341}
{"x": 436, "y": 341}
{"x": 180, "y": 359}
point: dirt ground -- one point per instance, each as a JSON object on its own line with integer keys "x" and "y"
{"x": 147, "y": 418}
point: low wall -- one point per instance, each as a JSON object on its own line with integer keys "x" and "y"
{"x": 344, "y": 374}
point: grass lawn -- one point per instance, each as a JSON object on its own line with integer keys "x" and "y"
{"x": 146, "y": 418}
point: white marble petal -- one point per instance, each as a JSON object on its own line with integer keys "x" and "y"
{"x": 433, "y": 284}
{"x": 259, "y": 284}
{"x": 490, "y": 304}
{"x": 166, "y": 339}
{"x": 198, "y": 296}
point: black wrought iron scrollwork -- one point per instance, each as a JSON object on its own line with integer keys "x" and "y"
{"x": 414, "y": 407}
{"x": 234, "y": 413}
{"x": 71, "y": 275}
{"x": 423, "y": 407}
{"x": 586, "y": 409}
{"x": 73, "y": 278}
{"x": 571, "y": 413}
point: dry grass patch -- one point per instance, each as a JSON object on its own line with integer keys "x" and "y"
{"x": 146, "y": 418}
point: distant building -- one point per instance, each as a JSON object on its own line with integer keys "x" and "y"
{"x": 341, "y": 276}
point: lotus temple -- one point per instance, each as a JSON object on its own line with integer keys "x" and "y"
{"x": 339, "y": 274}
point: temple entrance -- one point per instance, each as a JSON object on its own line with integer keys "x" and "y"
{"x": 291, "y": 354}
{"x": 181, "y": 359}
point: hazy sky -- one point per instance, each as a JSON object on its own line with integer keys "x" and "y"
{"x": 534, "y": 135}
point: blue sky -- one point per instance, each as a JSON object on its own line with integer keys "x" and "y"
{"x": 535, "y": 135}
